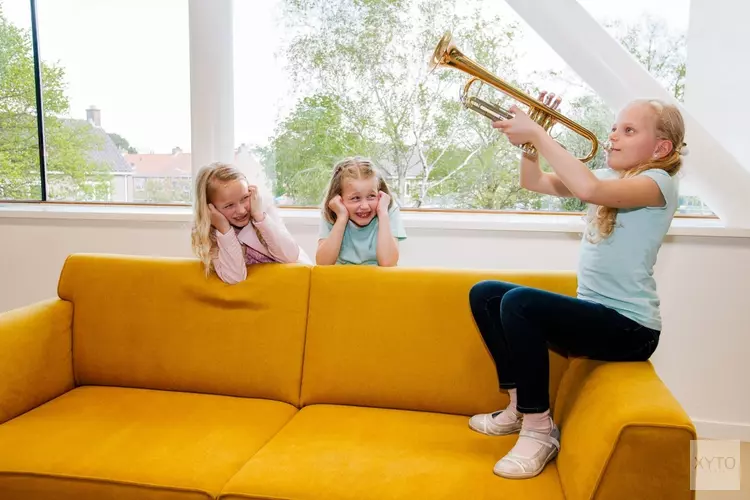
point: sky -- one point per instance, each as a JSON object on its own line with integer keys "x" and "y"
{"x": 130, "y": 59}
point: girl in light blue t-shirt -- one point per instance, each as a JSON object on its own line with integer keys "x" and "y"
{"x": 615, "y": 316}
{"x": 360, "y": 222}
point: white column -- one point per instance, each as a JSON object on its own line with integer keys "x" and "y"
{"x": 718, "y": 75}
{"x": 211, "y": 82}
{"x": 720, "y": 179}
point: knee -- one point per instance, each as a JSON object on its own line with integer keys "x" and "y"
{"x": 479, "y": 291}
{"x": 486, "y": 290}
{"x": 514, "y": 301}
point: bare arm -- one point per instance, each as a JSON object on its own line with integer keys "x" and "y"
{"x": 387, "y": 245}
{"x": 533, "y": 179}
{"x": 329, "y": 247}
{"x": 632, "y": 192}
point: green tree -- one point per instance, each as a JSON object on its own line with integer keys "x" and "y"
{"x": 163, "y": 190}
{"x": 482, "y": 166}
{"x": 373, "y": 56}
{"x": 661, "y": 51}
{"x": 71, "y": 173}
{"x": 122, "y": 144}
{"x": 368, "y": 59}
{"x": 308, "y": 143}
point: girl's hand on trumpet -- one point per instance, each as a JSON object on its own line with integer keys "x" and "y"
{"x": 521, "y": 129}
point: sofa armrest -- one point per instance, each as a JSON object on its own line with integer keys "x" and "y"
{"x": 623, "y": 434}
{"x": 36, "y": 362}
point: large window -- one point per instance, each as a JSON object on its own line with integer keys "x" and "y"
{"x": 315, "y": 81}
{"x": 347, "y": 78}
{"x": 116, "y": 104}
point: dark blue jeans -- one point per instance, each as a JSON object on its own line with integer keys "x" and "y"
{"x": 519, "y": 325}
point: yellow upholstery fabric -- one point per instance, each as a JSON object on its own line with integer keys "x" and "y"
{"x": 160, "y": 324}
{"x": 410, "y": 342}
{"x": 338, "y": 452}
{"x": 35, "y": 356}
{"x": 186, "y": 389}
{"x": 108, "y": 442}
{"x": 624, "y": 435}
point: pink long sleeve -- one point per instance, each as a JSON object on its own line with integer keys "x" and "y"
{"x": 230, "y": 264}
{"x": 281, "y": 245}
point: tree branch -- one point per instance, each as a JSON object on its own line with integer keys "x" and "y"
{"x": 463, "y": 164}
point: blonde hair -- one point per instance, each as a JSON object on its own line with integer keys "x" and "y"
{"x": 203, "y": 238}
{"x": 354, "y": 167}
{"x": 670, "y": 126}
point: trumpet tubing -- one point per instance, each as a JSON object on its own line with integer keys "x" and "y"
{"x": 446, "y": 54}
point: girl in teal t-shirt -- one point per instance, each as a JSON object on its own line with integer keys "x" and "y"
{"x": 360, "y": 222}
{"x": 615, "y": 316}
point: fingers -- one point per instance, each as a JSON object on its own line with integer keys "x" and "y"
{"x": 212, "y": 208}
{"x": 550, "y": 99}
{"x": 336, "y": 201}
{"x": 503, "y": 125}
{"x": 547, "y": 98}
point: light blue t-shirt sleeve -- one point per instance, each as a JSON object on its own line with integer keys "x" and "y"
{"x": 397, "y": 225}
{"x": 604, "y": 173}
{"x": 668, "y": 186}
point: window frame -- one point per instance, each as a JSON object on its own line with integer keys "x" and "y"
{"x": 44, "y": 199}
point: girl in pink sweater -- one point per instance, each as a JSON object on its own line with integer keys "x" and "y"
{"x": 235, "y": 226}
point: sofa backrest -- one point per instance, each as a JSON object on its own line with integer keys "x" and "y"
{"x": 159, "y": 323}
{"x": 405, "y": 338}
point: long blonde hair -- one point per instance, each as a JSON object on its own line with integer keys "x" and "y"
{"x": 202, "y": 236}
{"x": 354, "y": 167}
{"x": 670, "y": 126}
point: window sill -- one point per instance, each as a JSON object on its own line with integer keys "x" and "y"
{"x": 458, "y": 221}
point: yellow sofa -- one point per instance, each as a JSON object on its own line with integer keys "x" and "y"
{"x": 145, "y": 380}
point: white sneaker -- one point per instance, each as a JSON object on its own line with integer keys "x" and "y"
{"x": 485, "y": 423}
{"x": 517, "y": 467}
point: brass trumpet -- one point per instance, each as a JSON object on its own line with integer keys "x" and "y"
{"x": 446, "y": 54}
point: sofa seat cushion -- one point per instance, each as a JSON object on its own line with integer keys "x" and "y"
{"x": 341, "y": 452}
{"x": 109, "y": 442}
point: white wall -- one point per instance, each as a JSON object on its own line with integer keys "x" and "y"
{"x": 717, "y": 72}
{"x": 704, "y": 283}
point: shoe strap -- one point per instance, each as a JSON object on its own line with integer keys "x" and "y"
{"x": 499, "y": 412}
{"x": 541, "y": 438}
